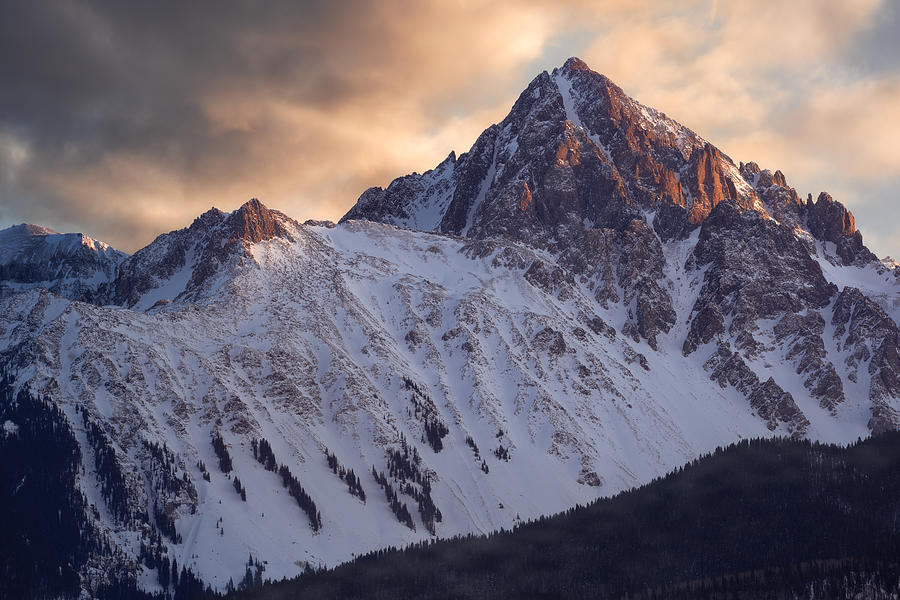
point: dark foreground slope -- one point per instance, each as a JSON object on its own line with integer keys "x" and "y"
{"x": 48, "y": 531}
{"x": 774, "y": 518}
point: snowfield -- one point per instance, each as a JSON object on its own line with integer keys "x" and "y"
{"x": 306, "y": 343}
{"x": 623, "y": 298}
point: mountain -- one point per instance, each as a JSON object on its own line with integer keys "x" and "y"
{"x": 190, "y": 263}
{"x": 608, "y": 187}
{"x": 589, "y": 297}
{"x": 69, "y": 264}
{"x": 802, "y": 520}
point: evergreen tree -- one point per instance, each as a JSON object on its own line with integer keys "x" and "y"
{"x": 221, "y": 452}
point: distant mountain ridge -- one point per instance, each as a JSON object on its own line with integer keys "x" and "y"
{"x": 587, "y": 298}
{"x": 69, "y": 264}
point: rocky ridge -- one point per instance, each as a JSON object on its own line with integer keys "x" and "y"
{"x": 604, "y": 183}
{"x": 185, "y": 262}
{"x": 590, "y": 296}
{"x": 69, "y": 264}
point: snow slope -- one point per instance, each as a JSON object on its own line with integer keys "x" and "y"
{"x": 307, "y": 345}
{"x": 70, "y": 264}
{"x": 623, "y": 299}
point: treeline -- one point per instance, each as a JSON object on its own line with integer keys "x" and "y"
{"x": 869, "y": 579}
{"x": 252, "y": 577}
{"x": 262, "y": 452}
{"x": 434, "y": 430}
{"x": 403, "y": 465}
{"x": 354, "y": 485}
{"x": 45, "y": 533}
{"x": 179, "y": 584}
{"x": 773, "y": 518}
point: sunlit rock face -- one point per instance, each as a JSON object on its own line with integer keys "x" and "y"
{"x": 609, "y": 187}
{"x": 588, "y": 297}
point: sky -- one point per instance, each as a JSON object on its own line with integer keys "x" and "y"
{"x": 124, "y": 120}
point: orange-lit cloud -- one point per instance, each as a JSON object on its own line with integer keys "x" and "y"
{"x": 128, "y": 120}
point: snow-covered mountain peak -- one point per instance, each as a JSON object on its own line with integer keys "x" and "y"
{"x": 17, "y": 238}
{"x": 193, "y": 264}
{"x": 24, "y": 237}
{"x": 589, "y": 296}
{"x": 70, "y": 264}
{"x": 253, "y": 222}
{"x": 610, "y": 188}
{"x": 567, "y": 128}
{"x": 25, "y": 229}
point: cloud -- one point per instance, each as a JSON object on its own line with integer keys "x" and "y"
{"x": 150, "y": 114}
{"x": 771, "y": 82}
{"x": 128, "y": 119}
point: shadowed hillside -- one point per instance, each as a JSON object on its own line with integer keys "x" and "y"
{"x": 775, "y": 519}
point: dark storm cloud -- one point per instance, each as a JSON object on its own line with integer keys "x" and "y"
{"x": 126, "y": 119}
{"x": 86, "y": 81}
{"x": 113, "y": 76}
{"x": 112, "y": 108}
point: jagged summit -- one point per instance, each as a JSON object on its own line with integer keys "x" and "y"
{"x": 575, "y": 154}
{"x": 253, "y": 222}
{"x": 830, "y": 221}
{"x": 610, "y": 295}
{"x": 574, "y": 149}
{"x": 573, "y": 63}
{"x": 186, "y": 262}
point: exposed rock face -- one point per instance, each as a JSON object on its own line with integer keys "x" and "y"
{"x": 69, "y": 264}
{"x": 830, "y": 221}
{"x": 825, "y": 219}
{"x": 755, "y": 269}
{"x": 871, "y": 339}
{"x": 416, "y": 201}
{"x": 707, "y": 183}
{"x": 640, "y": 269}
{"x": 253, "y": 223}
{"x": 185, "y": 261}
{"x": 605, "y": 184}
{"x": 781, "y": 201}
{"x": 767, "y": 398}
{"x": 805, "y": 346}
